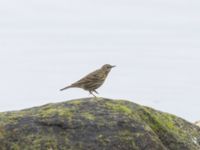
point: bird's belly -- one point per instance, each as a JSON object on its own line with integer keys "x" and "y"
{"x": 93, "y": 85}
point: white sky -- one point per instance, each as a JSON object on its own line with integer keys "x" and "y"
{"x": 47, "y": 44}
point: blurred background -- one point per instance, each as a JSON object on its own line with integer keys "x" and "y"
{"x": 48, "y": 44}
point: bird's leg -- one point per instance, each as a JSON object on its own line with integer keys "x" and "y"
{"x": 92, "y": 93}
{"x": 96, "y": 92}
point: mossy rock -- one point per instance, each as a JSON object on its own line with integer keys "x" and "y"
{"x": 96, "y": 124}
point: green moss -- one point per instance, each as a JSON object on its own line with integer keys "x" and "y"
{"x": 51, "y": 111}
{"x": 152, "y": 119}
{"x": 118, "y": 107}
{"x": 88, "y": 116}
{"x": 15, "y": 147}
{"x": 125, "y": 134}
{"x": 45, "y": 142}
{"x": 128, "y": 137}
{"x": 11, "y": 117}
{"x": 104, "y": 140}
{"x": 1, "y": 132}
{"x": 75, "y": 102}
{"x": 162, "y": 122}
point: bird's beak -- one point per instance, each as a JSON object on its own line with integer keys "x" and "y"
{"x": 113, "y": 66}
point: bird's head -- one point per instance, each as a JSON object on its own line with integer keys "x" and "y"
{"x": 107, "y": 67}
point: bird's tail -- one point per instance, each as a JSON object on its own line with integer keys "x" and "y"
{"x": 65, "y": 88}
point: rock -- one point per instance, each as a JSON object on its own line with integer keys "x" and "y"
{"x": 96, "y": 124}
{"x": 197, "y": 123}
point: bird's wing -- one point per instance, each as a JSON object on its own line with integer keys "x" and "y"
{"x": 92, "y": 77}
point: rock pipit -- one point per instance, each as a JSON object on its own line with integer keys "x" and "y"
{"x": 92, "y": 81}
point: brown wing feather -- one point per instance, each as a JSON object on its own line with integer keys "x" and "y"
{"x": 91, "y": 81}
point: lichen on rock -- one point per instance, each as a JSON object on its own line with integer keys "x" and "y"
{"x": 96, "y": 124}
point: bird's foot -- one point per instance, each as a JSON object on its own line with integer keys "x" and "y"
{"x": 92, "y": 94}
{"x": 96, "y": 92}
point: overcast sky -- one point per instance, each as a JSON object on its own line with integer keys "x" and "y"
{"x": 48, "y": 44}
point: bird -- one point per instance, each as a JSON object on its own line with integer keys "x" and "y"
{"x": 93, "y": 80}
